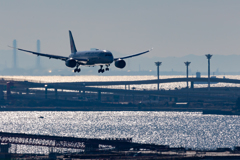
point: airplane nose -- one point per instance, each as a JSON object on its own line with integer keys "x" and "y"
{"x": 111, "y": 58}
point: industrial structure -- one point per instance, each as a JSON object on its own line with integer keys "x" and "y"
{"x": 38, "y": 65}
{"x": 14, "y": 54}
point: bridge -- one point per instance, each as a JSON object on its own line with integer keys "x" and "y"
{"x": 98, "y": 87}
{"x": 87, "y": 144}
{"x": 154, "y": 81}
{"x": 112, "y": 83}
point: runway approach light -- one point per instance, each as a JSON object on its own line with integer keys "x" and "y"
{"x": 158, "y": 64}
{"x": 208, "y": 57}
{"x": 187, "y": 64}
{"x": 50, "y": 71}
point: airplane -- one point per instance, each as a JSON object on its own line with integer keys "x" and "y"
{"x": 87, "y": 58}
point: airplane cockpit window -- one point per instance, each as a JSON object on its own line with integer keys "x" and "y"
{"x": 108, "y": 54}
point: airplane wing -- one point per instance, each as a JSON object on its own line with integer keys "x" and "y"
{"x": 43, "y": 54}
{"x": 115, "y": 59}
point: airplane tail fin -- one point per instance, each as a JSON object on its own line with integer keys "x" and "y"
{"x": 72, "y": 44}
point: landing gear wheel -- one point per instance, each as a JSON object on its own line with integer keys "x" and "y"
{"x": 107, "y": 69}
{"x": 100, "y": 70}
{"x": 77, "y": 70}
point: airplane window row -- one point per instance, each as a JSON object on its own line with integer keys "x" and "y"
{"x": 91, "y": 53}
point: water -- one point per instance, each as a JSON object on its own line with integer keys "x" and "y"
{"x": 186, "y": 129}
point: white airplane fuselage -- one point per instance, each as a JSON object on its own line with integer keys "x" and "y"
{"x": 88, "y": 58}
{"x": 95, "y": 57}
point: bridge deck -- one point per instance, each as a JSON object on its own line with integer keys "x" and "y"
{"x": 153, "y": 81}
{"x": 89, "y": 86}
{"x": 73, "y": 142}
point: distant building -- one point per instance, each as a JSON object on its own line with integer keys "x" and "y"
{"x": 198, "y": 74}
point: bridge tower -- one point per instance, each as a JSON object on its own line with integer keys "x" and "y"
{"x": 14, "y": 54}
{"x": 158, "y": 64}
{"x": 38, "y": 58}
{"x": 208, "y": 57}
{"x": 187, "y": 64}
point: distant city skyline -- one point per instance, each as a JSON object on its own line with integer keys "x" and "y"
{"x": 173, "y": 28}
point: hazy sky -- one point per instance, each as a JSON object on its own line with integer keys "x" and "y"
{"x": 171, "y": 27}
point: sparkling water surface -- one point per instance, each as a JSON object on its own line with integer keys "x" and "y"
{"x": 186, "y": 129}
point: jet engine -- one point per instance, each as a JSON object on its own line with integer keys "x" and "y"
{"x": 70, "y": 63}
{"x": 120, "y": 63}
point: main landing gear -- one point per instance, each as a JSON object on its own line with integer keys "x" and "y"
{"x": 101, "y": 70}
{"x": 77, "y": 70}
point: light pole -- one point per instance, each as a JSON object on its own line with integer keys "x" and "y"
{"x": 187, "y": 64}
{"x": 158, "y": 64}
{"x": 208, "y": 57}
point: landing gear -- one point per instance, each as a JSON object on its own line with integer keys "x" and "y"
{"x": 77, "y": 70}
{"x": 101, "y": 70}
{"x": 107, "y": 69}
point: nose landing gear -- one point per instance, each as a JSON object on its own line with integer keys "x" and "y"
{"x": 107, "y": 69}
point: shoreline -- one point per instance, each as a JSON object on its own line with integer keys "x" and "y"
{"x": 118, "y": 108}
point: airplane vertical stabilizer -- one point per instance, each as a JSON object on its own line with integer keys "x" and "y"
{"x": 72, "y": 44}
